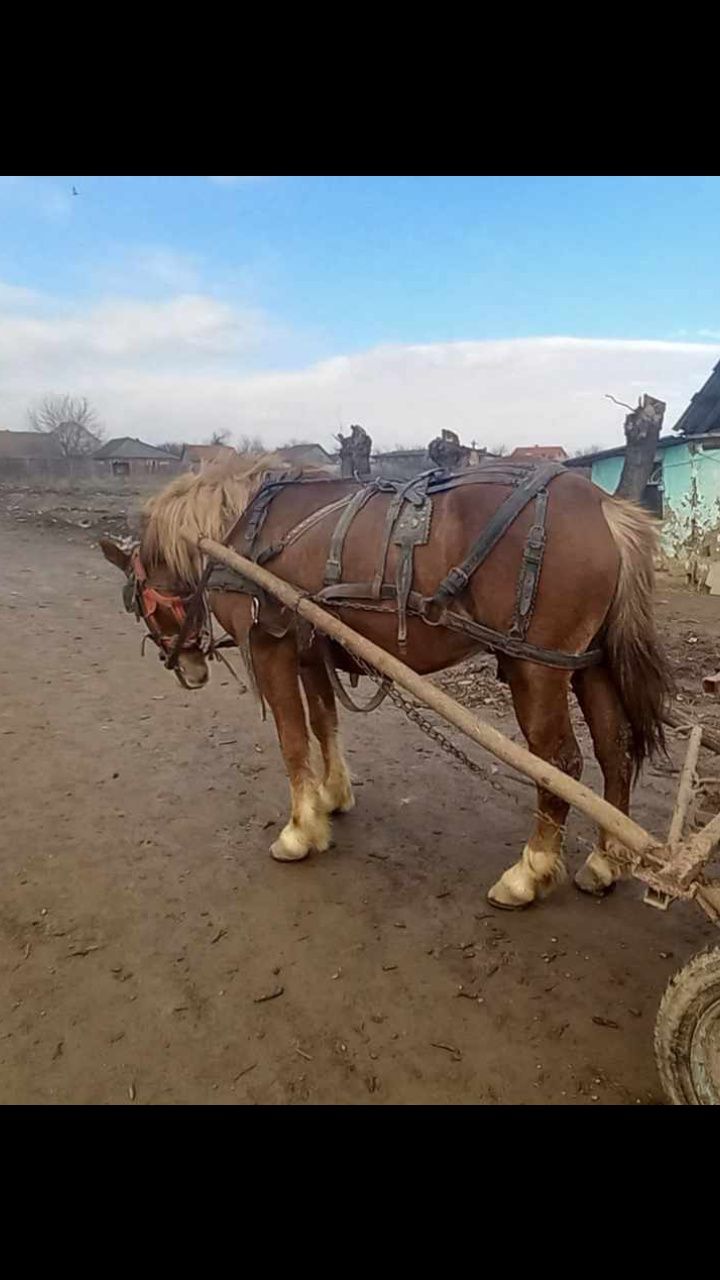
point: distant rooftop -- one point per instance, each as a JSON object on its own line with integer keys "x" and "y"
{"x": 586, "y": 459}
{"x": 553, "y": 452}
{"x": 309, "y": 452}
{"x": 206, "y": 452}
{"x": 29, "y": 444}
{"x": 127, "y": 448}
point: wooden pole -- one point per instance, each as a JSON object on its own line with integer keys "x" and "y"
{"x": 695, "y": 852}
{"x": 642, "y": 429}
{"x": 686, "y": 788}
{"x": 617, "y": 824}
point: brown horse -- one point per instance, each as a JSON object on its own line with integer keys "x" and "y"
{"x": 596, "y": 586}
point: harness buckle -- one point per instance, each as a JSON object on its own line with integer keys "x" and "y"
{"x": 456, "y": 580}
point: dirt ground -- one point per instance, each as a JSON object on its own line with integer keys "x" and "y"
{"x": 152, "y": 952}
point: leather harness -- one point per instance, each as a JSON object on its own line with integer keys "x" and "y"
{"x": 407, "y": 524}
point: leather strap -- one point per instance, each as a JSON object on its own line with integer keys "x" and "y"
{"x": 458, "y": 577}
{"x": 529, "y": 576}
{"x": 297, "y": 531}
{"x": 499, "y": 641}
{"x": 394, "y": 508}
{"x": 333, "y": 565}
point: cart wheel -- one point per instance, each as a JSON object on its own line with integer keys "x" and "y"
{"x": 687, "y": 1033}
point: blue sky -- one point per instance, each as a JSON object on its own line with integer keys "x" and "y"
{"x": 292, "y": 305}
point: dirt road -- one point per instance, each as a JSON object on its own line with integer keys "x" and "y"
{"x": 152, "y": 952}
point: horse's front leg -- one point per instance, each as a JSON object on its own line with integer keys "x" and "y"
{"x": 541, "y": 705}
{"x": 276, "y": 671}
{"x": 336, "y": 791}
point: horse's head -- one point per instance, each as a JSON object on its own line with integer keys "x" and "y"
{"x": 155, "y": 600}
{"x": 164, "y": 569}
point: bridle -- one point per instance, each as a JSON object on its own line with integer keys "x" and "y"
{"x": 190, "y": 611}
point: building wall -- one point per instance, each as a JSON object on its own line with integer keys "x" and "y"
{"x": 400, "y": 465}
{"x": 691, "y": 508}
{"x": 691, "y": 496}
{"x": 139, "y": 466}
{"x": 606, "y": 473}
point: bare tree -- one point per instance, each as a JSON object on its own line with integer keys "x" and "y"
{"x": 175, "y": 447}
{"x": 219, "y": 437}
{"x": 585, "y": 453}
{"x": 72, "y": 421}
{"x": 250, "y": 444}
{"x": 642, "y": 429}
{"x": 498, "y": 450}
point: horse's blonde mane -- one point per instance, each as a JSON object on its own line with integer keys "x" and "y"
{"x": 203, "y": 505}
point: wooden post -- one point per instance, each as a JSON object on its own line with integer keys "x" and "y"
{"x": 642, "y": 428}
{"x": 617, "y": 824}
{"x": 685, "y": 789}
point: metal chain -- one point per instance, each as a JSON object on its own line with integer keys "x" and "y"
{"x": 413, "y": 713}
{"x": 427, "y": 727}
{"x": 436, "y": 735}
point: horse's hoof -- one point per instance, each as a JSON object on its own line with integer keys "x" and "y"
{"x": 506, "y": 899}
{"x": 507, "y": 906}
{"x": 587, "y": 882}
{"x": 288, "y": 848}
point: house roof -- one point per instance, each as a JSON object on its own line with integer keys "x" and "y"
{"x": 29, "y": 444}
{"x": 400, "y": 453}
{"x": 586, "y": 459}
{"x": 205, "y": 452}
{"x": 703, "y": 412}
{"x": 126, "y": 448}
{"x": 306, "y": 453}
{"x": 553, "y": 452}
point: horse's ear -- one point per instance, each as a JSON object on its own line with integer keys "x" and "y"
{"x": 117, "y": 553}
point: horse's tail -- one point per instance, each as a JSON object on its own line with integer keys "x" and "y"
{"x": 635, "y": 654}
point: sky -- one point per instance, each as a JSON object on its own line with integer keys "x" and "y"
{"x": 504, "y": 308}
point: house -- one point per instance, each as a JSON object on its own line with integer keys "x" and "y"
{"x": 25, "y": 452}
{"x": 702, "y": 415}
{"x": 307, "y": 455}
{"x": 403, "y": 464}
{"x": 126, "y": 456}
{"x": 400, "y": 464}
{"x": 538, "y": 452}
{"x": 195, "y": 457}
{"x": 684, "y": 486}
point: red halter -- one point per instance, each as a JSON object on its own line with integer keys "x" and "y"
{"x": 146, "y": 601}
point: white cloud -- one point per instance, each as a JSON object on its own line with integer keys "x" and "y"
{"x": 180, "y": 367}
{"x": 84, "y": 342}
{"x": 13, "y": 296}
{"x": 144, "y": 268}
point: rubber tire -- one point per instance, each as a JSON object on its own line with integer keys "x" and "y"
{"x": 691, "y": 995}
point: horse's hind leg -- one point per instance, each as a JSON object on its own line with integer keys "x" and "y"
{"x": 276, "y": 670}
{"x": 336, "y": 791}
{"x": 608, "y": 724}
{"x": 540, "y": 696}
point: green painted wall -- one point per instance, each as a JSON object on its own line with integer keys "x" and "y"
{"x": 606, "y": 473}
{"x": 691, "y": 495}
{"x": 691, "y": 499}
